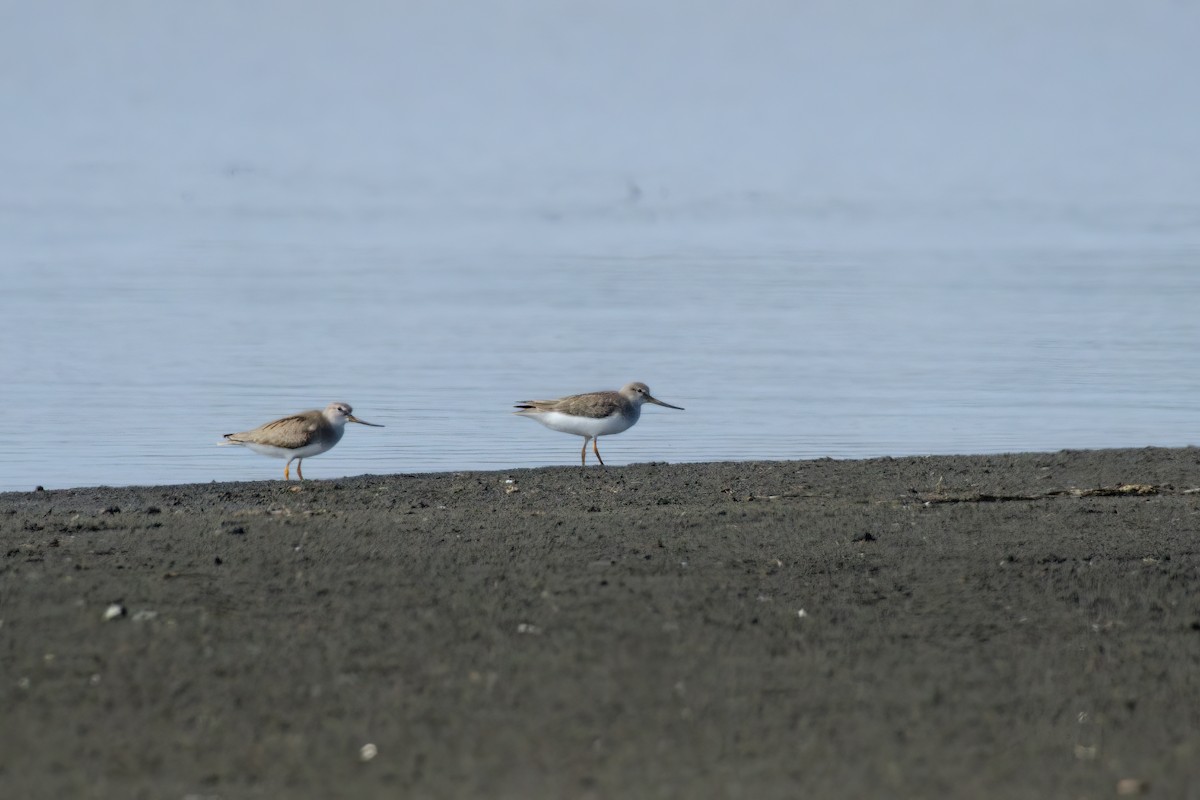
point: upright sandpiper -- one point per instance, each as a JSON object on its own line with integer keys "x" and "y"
{"x": 592, "y": 415}
{"x": 299, "y": 436}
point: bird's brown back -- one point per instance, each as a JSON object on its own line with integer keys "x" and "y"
{"x": 289, "y": 432}
{"x": 595, "y": 405}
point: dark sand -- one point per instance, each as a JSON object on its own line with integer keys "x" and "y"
{"x": 970, "y": 629}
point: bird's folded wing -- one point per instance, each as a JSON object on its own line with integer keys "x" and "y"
{"x": 290, "y": 432}
{"x": 595, "y": 404}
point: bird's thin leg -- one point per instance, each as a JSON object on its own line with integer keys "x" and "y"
{"x": 287, "y": 470}
{"x": 595, "y": 442}
{"x": 299, "y": 461}
{"x": 583, "y": 453}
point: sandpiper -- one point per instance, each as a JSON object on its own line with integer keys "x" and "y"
{"x": 592, "y": 415}
{"x": 299, "y": 436}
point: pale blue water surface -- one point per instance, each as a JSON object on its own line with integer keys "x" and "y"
{"x": 824, "y": 232}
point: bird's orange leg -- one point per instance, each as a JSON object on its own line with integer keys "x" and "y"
{"x": 299, "y": 461}
{"x": 287, "y": 470}
{"x": 583, "y": 453}
{"x": 595, "y": 442}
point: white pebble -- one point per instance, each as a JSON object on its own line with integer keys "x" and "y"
{"x": 367, "y": 752}
{"x": 1130, "y": 786}
{"x": 802, "y": 613}
{"x": 114, "y": 611}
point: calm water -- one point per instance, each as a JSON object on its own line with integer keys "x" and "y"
{"x": 432, "y": 228}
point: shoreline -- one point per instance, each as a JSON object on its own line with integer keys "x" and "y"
{"x": 1122, "y": 452}
{"x": 1003, "y": 626}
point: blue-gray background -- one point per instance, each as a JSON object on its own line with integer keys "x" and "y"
{"x": 826, "y": 228}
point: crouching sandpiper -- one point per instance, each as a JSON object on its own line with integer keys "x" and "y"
{"x": 592, "y": 415}
{"x": 299, "y": 436}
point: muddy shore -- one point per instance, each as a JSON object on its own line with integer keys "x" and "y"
{"x": 990, "y": 626}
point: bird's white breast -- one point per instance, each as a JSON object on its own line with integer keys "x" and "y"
{"x": 586, "y": 426}
{"x": 316, "y": 448}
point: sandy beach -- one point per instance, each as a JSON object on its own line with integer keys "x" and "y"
{"x": 1003, "y": 626}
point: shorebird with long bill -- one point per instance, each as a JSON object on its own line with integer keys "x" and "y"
{"x": 299, "y": 436}
{"x": 592, "y": 415}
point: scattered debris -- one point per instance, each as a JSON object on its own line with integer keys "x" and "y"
{"x": 531, "y": 630}
{"x": 114, "y": 611}
{"x": 802, "y": 613}
{"x": 1124, "y": 488}
{"x": 1120, "y": 490}
{"x": 367, "y": 752}
{"x": 145, "y": 615}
